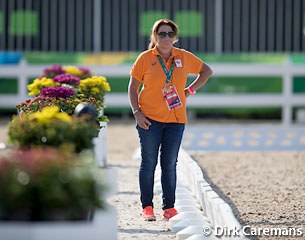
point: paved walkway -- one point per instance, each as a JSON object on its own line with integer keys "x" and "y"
{"x": 127, "y": 202}
{"x": 122, "y": 141}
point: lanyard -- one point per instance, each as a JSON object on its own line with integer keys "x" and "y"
{"x": 167, "y": 73}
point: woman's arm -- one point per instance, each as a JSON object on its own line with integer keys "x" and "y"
{"x": 133, "y": 96}
{"x": 202, "y": 78}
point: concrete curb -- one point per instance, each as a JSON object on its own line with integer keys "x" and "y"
{"x": 217, "y": 213}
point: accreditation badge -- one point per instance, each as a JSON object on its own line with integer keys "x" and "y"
{"x": 171, "y": 97}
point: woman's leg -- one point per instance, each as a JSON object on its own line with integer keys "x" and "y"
{"x": 170, "y": 144}
{"x": 150, "y": 142}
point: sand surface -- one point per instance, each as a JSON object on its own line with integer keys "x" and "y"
{"x": 265, "y": 189}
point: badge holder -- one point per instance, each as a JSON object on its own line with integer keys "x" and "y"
{"x": 171, "y": 97}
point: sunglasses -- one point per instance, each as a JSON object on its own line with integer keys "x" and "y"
{"x": 163, "y": 34}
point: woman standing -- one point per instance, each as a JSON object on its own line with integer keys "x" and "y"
{"x": 160, "y": 110}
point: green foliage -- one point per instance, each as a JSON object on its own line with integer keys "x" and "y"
{"x": 77, "y": 134}
{"x": 65, "y": 104}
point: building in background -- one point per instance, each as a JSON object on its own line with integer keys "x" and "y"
{"x": 209, "y": 26}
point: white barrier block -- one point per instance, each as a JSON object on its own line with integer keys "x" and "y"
{"x": 137, "y": 154}
{"x": 200, "y": 237}
{"x": 180, "y": 197}
{"x": 157, "y": 179}
{"x": 109, "y": 176}
{"x": 205, "y": 206}
{"x": 215, "y": 211}
{"x": 180, "y": 185}
{"x": 199, "y": 185}
{"x": 182, "y": 216}
{"x": 188, "y": 232}
{"x": 188, "y": 208}
{"x": 182, "y": 190}
{"x": 199, "y": 196}
{"x": 198, "y": 173}
{"x": 158, "y": 188}
{"x": 217, "y": 219}
{"x": 187, "y": 202}
{"x": 188, "y": 222}
{"x": 184, "y": 196}
{"x": 211, "y": 195}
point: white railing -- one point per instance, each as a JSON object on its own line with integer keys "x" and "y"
{"x": 286, "y": 99}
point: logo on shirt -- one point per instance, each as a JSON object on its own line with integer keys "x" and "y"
{"x": 154, "y": 63}
{"x": 178, "y": 63}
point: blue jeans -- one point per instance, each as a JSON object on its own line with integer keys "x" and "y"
{"x": 166, "y": 137}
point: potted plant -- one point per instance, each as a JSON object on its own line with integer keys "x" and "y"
{"x": 46, "y": 193}
{"x": 66, "y": 87}
{"x": 66, "y": 91}
{"x": 42, "y": 184}
{"x": 44, "y": 189}
{"x": 50, "y": 127}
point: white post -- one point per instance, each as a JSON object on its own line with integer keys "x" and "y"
{"x": 100, "y": 144}
{"x": 287, "y": 94}
{"x": 22, "y": 80}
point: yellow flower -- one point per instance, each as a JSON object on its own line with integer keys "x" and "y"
{"x": 95, "y": 90}
{"x": 106, "y": 86}
{"x": 64, "y": 117}
{"x": 38, "y": 84}
{"x": 34, "y": 91}
{"x": 93, "y": 82}
{"x": 50, "y": 113}
{"x": 72, "y": 70}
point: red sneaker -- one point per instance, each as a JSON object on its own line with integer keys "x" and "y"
{"x": 148, "y": 214}
{"x": 169, "y": 213}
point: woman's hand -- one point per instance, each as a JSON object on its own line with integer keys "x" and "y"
{"x": 142, "y": 121}
{"x": 187, "y": 93}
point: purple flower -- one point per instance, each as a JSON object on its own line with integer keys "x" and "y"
{"x": 84, "y": 70}
{"x": 57, "y": 91}
{"x": 67, "y": 78}
{"x": 53, "y": 71}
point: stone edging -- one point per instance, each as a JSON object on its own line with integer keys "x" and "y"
{"x": 200, "y": 208}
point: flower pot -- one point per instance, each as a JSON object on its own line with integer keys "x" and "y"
{"x": 103, "y": 224}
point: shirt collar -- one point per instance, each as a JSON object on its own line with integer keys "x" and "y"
{"x": 175, "y": 51}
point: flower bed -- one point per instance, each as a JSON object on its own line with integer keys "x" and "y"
{"x": 50, "y": 127}
{"x": 49, "y": 174}
{"x": 66, "y": 87}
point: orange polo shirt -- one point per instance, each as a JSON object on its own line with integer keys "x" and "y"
{"x": 148, "y": 71}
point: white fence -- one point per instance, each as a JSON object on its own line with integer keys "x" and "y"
{"x": 286, "y": 99}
